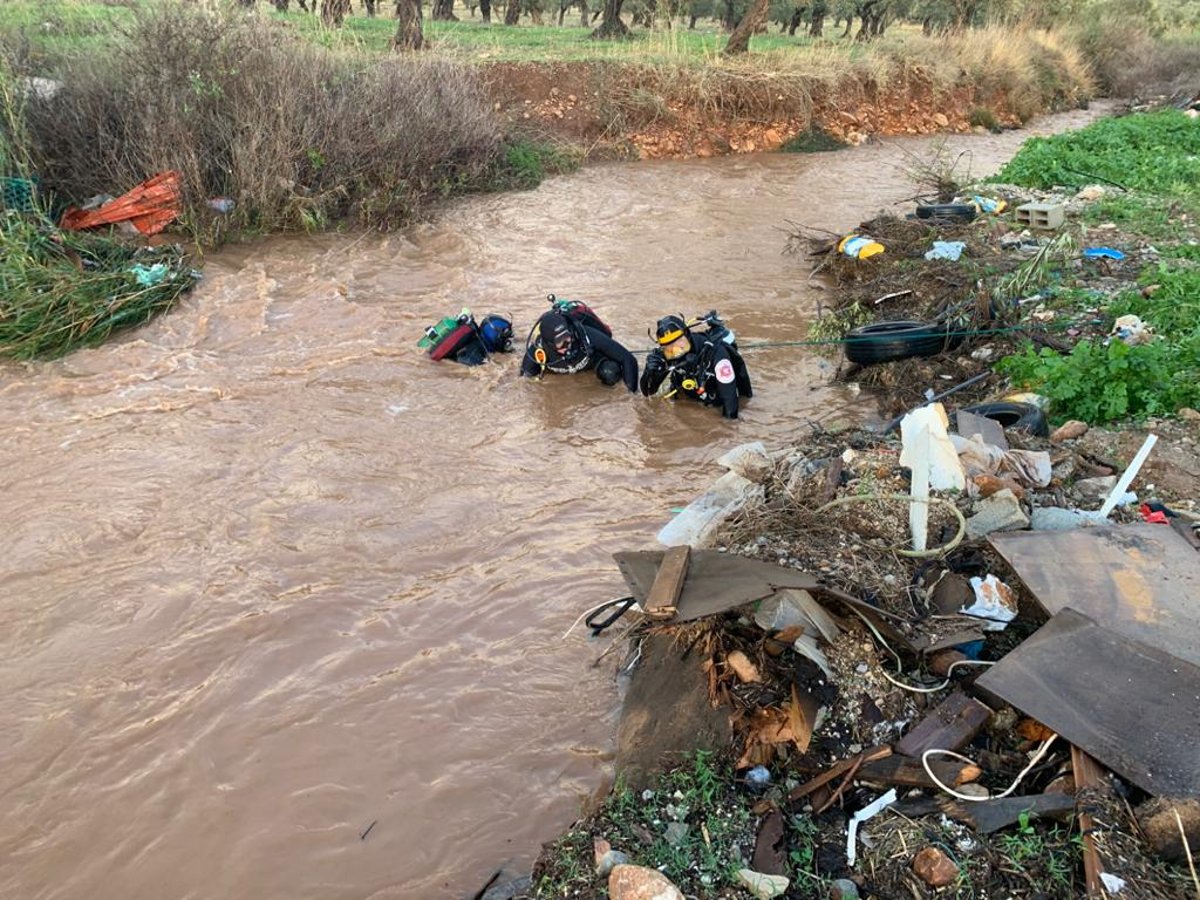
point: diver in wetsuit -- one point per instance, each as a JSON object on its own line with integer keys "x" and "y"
{"x": 702, "y": 365}
{"x": 466, "y": 341}
{"x": 571, "y": 338}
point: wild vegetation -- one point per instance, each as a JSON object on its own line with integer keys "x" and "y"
{"x": 1154, "y": 160}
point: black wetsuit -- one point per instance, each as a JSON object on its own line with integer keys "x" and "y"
{"x": 712, "y": 372}
{"x": 590, "y": 347}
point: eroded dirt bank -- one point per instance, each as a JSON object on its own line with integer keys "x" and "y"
{"x": 621, "y": 110}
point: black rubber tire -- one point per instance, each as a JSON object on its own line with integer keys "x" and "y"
{"x": 1013, "y": 416}
{"x": 889, "y": 341}
{"x": 963, "y": 212}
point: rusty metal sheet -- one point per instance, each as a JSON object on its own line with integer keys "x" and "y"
{"x": 1142, "y": 581}
{"x": 1128, "y": 704}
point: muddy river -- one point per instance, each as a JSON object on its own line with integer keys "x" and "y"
{"x": 273, "y": 578}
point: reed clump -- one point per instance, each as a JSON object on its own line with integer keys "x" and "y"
{"x": 61, "y": 290}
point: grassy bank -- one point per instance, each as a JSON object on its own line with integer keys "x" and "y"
{"x": 1152, "y": 163}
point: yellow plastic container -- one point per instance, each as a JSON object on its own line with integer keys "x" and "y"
{"x": 859, "y": 246}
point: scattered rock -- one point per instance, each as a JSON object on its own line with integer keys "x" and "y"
{"x": 743, "y": 668}
{"x": 934, "y": 867}
{"x": 1095, "y": 490}
{"x": 974, "y": 790}
{"x": 951, "y": 594}
{"x": 1188, "y": 414}
{"x": 993, "y": 484}
{"x": 941, "y": 120}
{"x": 641, "y": 883}
{"x": 607, "y": 858}
{"x": 1157, "y": 819}
{"x": 1068, "y": 431}
{"x": 764, "y": 887}
{"x": 999, "y": 512}
{"x": 508, "y": 890}
{"x": 676, "y": 833}
{"x": 843, "y": 889}
{"x": 1091, "y": 193}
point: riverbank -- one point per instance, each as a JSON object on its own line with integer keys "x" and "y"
{"x": 762, "y": 749}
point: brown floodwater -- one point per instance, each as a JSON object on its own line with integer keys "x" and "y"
{"x": 271, "y": 575}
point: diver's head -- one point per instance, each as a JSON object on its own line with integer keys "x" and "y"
{"x": 672, "y": 336}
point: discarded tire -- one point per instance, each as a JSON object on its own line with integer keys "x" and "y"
{"x": 888, "y": 341}
{"x": 963, "y": 212}
{"x": 1015, "y": 416}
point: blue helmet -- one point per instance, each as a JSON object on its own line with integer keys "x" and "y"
{"x": 496, "y": 333}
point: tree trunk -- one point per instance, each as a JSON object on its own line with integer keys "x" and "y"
{"x": 333, "y": 12}
{"x": 246, "y": 3}
{"x": 849, "y": 26}
{"x": 583, "y": 14}
{"x": 611, "y": 27}
{"x": 282, "y": 5}
{"x": 794, "y": 22}
{"x": 371, "y": 7}
{"x": 818, "y": 24}
{"x": 728, "y": 17}
{"x": 739, "y": 41}
{"x": 692, "y": 22}
{"x": 443, "y": 11}
{"x": 409, "y": 35}
{"x": 485, "y": 9}
{"x": 512, "y": 12}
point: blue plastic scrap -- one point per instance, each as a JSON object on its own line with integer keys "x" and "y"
{"x": 1103, "y": 253}
{"x": 148, "y": 276}
{"x": 950, "y": 250}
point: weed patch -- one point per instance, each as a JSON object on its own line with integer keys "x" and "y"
{"x": 1156, "y": 152}
{"x": 60, "y": 290}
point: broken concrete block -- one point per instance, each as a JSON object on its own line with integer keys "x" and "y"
{"x": 1000, "y": 512}
{"x": 1055, "y": 518}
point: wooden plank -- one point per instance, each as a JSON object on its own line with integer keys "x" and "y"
{"x": 1088, "y": 774}
{"x": 668, "y": 583}
{"x": 908, "y": 772}
{"x": 992, "y": 432}
{"x": 1130, "y": 705}
{"x": 1141, "y": 581}
{"x": 950, "y": 726}
{"x": 987, "y": 816}
{"x": 838, "y": 768}
{"x": 716, "y": 582}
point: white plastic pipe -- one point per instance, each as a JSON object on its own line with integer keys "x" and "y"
{"x": 1127, "y": 477}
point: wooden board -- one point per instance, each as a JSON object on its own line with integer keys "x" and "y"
{"x": 950, "y": 726}
{"x": 987, "y": 816}
{"x": 1142, "y": 581}
{"x": 900, "y": 770}
{"x": 715, "y": 582}
{"x": 1130, "y": 705}
{"x": 1088, "y": 774}
{"x": 668, "y": 583}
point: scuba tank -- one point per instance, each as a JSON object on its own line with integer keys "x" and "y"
{"x": 436, "y": 333}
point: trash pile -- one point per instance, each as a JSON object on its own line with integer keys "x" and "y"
{"x": 955, "y": 660}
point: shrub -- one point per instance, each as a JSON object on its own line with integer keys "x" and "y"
{"x": 295, "y": 134}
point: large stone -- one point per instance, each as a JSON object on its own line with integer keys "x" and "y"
{"x": 764, "y": 887}
{"x": 843, "y": 889}
{"x": 1068, "y": 431}
{"x": 999, "y": 512}
{"x": 751, "y": 461}
{"x": 1095, "y": 490}
{"x": 640, "y": 883}
{"x": 934, "y": 867}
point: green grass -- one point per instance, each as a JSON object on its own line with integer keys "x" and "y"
{"x": 477, "y": 41}
{"x": 54, "y": 30}
{"x": 61, "y": 290}
{"x": 1157, "y": 153}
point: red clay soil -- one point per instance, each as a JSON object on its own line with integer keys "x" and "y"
{"x": 613, "y": 110}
